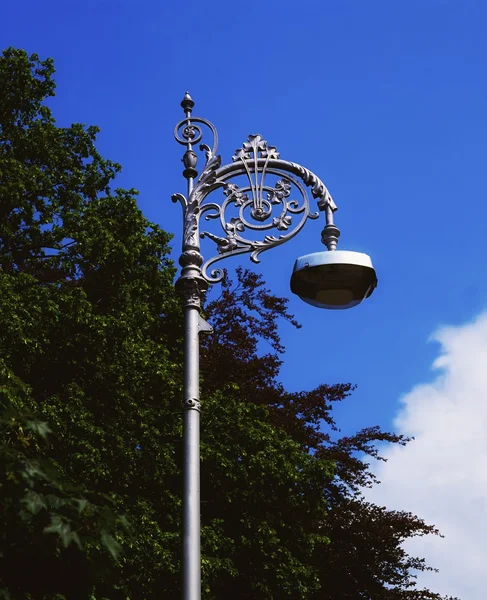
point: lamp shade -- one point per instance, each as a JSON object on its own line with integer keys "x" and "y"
{"x": 334, "y": 279}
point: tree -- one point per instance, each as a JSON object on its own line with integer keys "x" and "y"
{"x": 90, "y": 389}
{"x": 84, "y": 283}
{"x": 364, "y": 557}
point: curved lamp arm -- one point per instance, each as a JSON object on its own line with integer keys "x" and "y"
{"x": 251, "y": 203}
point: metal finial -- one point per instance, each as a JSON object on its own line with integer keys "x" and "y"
{"x": 330, "y": 235}
{"x": 187, "y": 102}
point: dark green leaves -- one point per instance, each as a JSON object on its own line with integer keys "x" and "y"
{"x": 88, "y": 368}
{"x": 61, "y": 527}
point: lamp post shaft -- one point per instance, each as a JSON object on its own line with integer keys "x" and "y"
{"x": 191, "y": 287}
{"x": 191, "y": 466}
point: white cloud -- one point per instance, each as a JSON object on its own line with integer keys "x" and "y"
{"x": 442, "y": 475}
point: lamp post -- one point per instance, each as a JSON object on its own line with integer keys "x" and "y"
{"x": 257, "y": 195}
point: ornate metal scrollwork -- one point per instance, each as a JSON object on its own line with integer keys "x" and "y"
{"x": 258, "y": 196}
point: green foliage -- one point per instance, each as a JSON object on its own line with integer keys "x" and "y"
{"x": 88, "y": 362}
{"x": 90, "y": 420}
{"x": 37, "y": 500}
{"x": 263, "y": 497}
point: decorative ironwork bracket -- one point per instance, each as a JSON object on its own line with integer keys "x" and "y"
{"x": 251, "y": 203}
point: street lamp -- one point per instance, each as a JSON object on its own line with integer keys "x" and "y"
{"x": 257, "y": 196}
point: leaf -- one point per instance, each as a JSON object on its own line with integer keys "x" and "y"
{"x": 82, "y": 504}
{"x": 111, "y": 544}
{"x": 34, "y": 502}
{"x": 62, "y": 528}
{"x": 124, "y": 522}
{"x": 39, "y": 427}
{"x": 32, "y": 471}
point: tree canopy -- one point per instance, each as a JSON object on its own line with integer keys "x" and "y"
{"x": 90, "y": 393}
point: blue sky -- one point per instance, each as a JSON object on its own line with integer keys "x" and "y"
{"x": 385, "y": 101}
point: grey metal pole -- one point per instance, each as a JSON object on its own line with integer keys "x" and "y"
{"x": 191, "y": 567}
{"x": 191, "y": 287}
